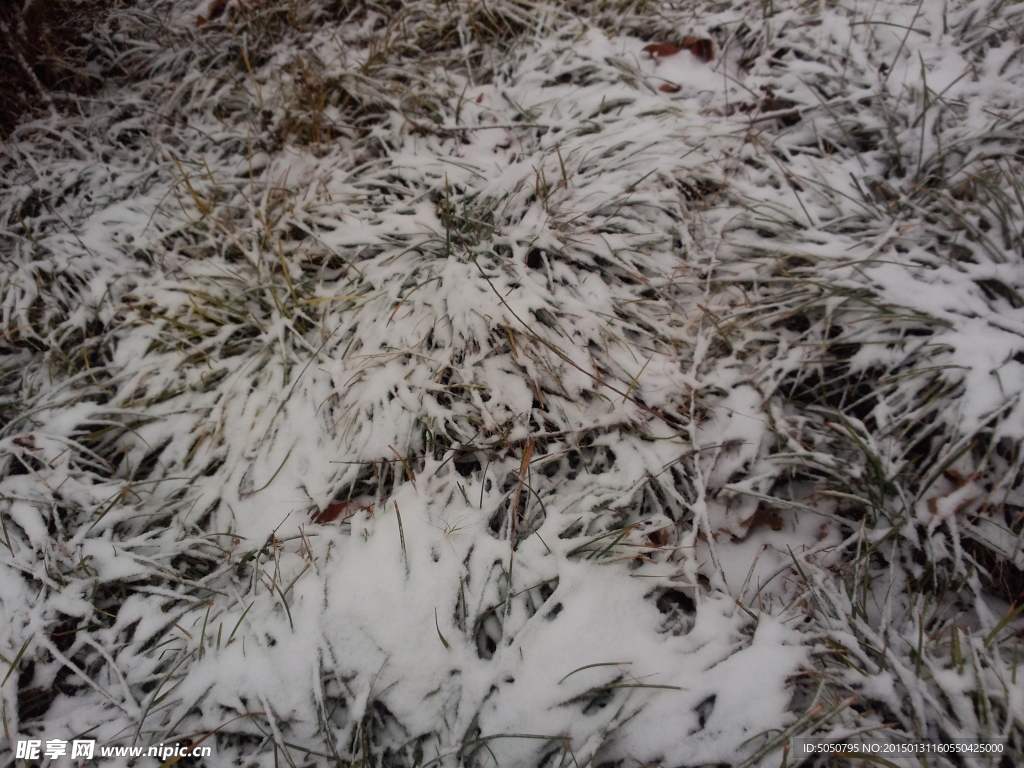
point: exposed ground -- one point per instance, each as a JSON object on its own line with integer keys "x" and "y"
{"x": 474, "y": 383}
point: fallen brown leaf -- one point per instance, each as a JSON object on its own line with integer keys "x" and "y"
{"x": 764, "y": 515}
{"x": 658, "y": 50}
{"x": 700, "y": 47}
{"x": 339, "y": 509}
{"x": 658, "y": 538}
{"x": 217, "y": 8}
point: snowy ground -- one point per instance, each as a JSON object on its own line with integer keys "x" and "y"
{"x": 464, "y": 383}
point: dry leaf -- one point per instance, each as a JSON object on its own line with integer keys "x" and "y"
{"x": 342, "y": 510}
{"x": 764, "y": 515}
{"x": 658, "y": 538}
{"x": 700, "y": 47}
{"x": 658, "y": 50}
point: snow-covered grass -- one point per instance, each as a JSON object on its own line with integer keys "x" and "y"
{"x": 470, "y": 383}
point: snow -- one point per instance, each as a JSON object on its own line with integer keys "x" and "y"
{"x": 647, "y": 422}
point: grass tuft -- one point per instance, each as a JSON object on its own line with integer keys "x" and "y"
{"x": 687, "y": 339}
